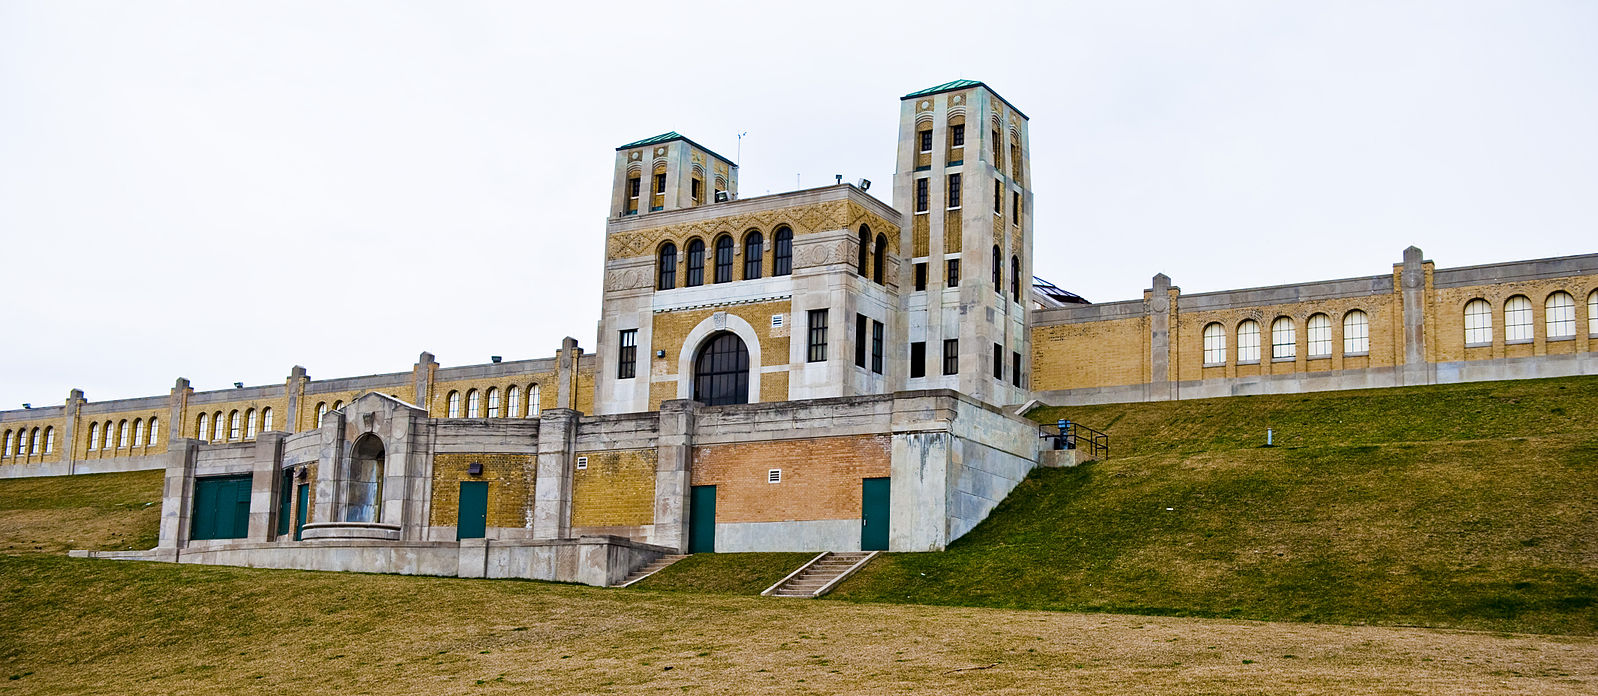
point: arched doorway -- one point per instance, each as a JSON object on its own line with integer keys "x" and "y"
{"x": 721, "y": 371}
{"x": 363, "y": 491}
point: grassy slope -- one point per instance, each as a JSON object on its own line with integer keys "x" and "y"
{"x": 726, "y": 573}
{"x": 92, "y": 511}
{"x": 1460, "y": 505}
{"x": 93, "y": 626}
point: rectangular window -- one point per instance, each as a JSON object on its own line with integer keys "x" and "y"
{"x": 998, "y": 361}
{"x": 660, "y": 183}
{"x": 996, "y": 151}
{"x": 998, "y": 196}
{"x": 954, "y": 273}
{"x": 957, "y": 134}
{"x": 951, "y": 356}
{"x": 954, "y": 191}
{"x": 627, "y": 357}
{"x": 921, "y": 276}
{"x": 921, "y": 195}
{"x": 632, "y": 187}
{"x": 818, "y": 336}
{"x": 926, "y": 141}
{"x": 1015, "y": 160}
{"x": 1015, "y": 208}
{"x": 876, "y": 347}
{"x": 918, "y": 359}
{"x": 695, "y": 188}
{"x": 1015, "y": 369}
{"x": 860, "y": 340}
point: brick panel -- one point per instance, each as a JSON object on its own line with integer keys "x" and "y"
{"x": 510, "y": 480}
{"x": 820, "y": 477}
{"x": 616, "y": 490}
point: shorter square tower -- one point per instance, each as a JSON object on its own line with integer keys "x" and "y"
{"x": 669, "y": 172}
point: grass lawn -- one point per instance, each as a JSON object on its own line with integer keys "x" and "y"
{"x": 89, "y": 626}
{"x": 101, "y": 512}
{"x": 1472, "y": 505}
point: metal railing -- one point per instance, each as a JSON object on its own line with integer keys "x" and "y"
{"x": 1070, "y": 435}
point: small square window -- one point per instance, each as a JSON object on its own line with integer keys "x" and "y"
{"x": 921, "y": 276}
{"x": 926, "y": 141}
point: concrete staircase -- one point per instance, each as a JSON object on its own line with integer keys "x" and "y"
{"x": 820, "y": 575}
{"x": 653, "y": 567}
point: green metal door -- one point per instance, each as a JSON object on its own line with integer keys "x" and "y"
{"x": 221, "y": 507}
{"x": 285, "y": 502}
{"x": 302, "y": 510}
{"x": 874, "y": 514}
{"x": 702, "y": 520}
{"x": 472, "y": 520}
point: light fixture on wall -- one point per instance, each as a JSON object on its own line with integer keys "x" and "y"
{"x": 660, "y": 353}
{"x": 238, "y": 385}
{"x": 303, "y": 474}
{"x": 495, "y": 359}
{"x": 474, "y": 469}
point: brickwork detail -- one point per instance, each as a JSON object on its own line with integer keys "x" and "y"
{"x": 510, "y": 480}
{"x": 820, "y": 477}
{"x": 617, "y": 489}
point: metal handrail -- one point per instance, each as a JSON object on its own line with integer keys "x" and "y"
{"x": 1070, "y": 435}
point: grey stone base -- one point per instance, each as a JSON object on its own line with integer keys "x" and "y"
{"x": 88, "y": 466}
{"x": 601, "y": 561}
{"x": 809, "y": 535}
{"x": 350, "y": 530}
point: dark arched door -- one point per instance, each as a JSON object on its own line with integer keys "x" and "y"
{"x": 721, "y": 372}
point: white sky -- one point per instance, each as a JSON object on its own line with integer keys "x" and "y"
{"x": 222, "y": 190}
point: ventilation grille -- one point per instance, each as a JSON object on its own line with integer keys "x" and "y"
{"x": 582, "y": 462}
{"x": 774, "y": 476}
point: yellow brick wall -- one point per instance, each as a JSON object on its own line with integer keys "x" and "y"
{"x": 920, "y": 231}
{"x": 1447, "y": 318}
{"x": 1090, "y": 354}
{"x": 773, "y": 387}
{"x": 1380, "y": 310}
{"x": 510, "y": 480}
{"x": 24, "y": 429}
{"x": 616, "y": 490}
{"x": 547, "y": 382}
{"x": 952, "y": 238}
{"x": 81, "y": 447}
{"x": 279, "y": 406}
{"x": 820, "y": 477}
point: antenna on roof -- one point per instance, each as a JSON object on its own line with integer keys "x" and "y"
{"x": 740, "y": 155}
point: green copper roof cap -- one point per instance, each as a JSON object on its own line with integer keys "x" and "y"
{"x": 670, "y": 136}
{"x": 956, "y": 86}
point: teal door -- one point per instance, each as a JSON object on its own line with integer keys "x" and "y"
{"x": 301, "y": 511}
{"x": 472, "y": 520}
{"x": 702, "y": 520}
{"x": 285, "y": 502}
{"x": 874, "y": 514}
{"x": 221, "y": 507}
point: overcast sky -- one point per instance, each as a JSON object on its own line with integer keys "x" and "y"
{"x": 222, "y": 190}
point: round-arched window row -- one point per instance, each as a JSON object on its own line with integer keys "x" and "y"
{"x": 1284, "y": 339}
{"x": 722, "y": 264}
{"x": 24, "y": 442}
{"x": 1559, "y": 319}
{"x": 500, "y": 403}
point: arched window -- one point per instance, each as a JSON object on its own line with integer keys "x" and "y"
{"x": 1356, "y": 333}
{"x": 49, "y": 440}
{"x": 122, "y": 434}
{"x": 533, "y": 399}
{"x": 474, "y": 404}
{"x": 782, "y": 256}
{"x": 1015, "y": 278}
{"x": 266, "y": 420}
{"x": 721, "y": 371}
{"x": 1559, "y": 311}
{"x": 754, "y": 254}
{"x": 879, "y": 258}
{"x": 235, "y": 427}
{"x": 998, "y": 272}
{"x": 493, "y": 402}
{"x": 724, "y": 258}
{"x": 1284, "y": 339}
{"x": 1318, "y": 336}
{"x": 696, "y": 264}
{"x": 22, "y": 442}
{"x": 668, "y": 267}
{"x": 1214, "y": 344}
{"x": 11, "y": 437}
{"x": 513, "y": 402}
{"x": 1248, "y": 341}
{"x": 338, "y": 404}
{"x": 321, "y": 413}
{"x": 249, "y": 424}
{"x": 863, "y": 253}
{"x": 1478, "y": 323}
{"x": 1592, "y": 312}
{"x": 33, "y": 444}
{"x": 1517, "y": 319}
{"x": 454, "y": 405}
{"x": 155, "y": 430}
{"x": 201, "y": 426}
{"x": 217, "y": 423}
{"x": 110, "y": 432}
{"x": 138, "y": 432}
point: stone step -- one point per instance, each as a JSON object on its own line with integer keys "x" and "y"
{"x": 651, "y": 568}
{"x": 824, "y": 571}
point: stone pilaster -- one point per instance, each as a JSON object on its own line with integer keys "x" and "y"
{"x": 422, "y": 375}
{"x": 177, "y": 492}
{"x": 552, "y": 497}
{"x": 294, "y": 394}
{"x": 265, "y": 482}
{"x": 673, "y": 465}
{"x": 1412, "y": 278}
{"x": 566, "y": 369}
{"x": 330, "y": 469}
{"x": 177, "y": 410}
{"x": 69, "y": 429}
{"x": 1161, "y": 310}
